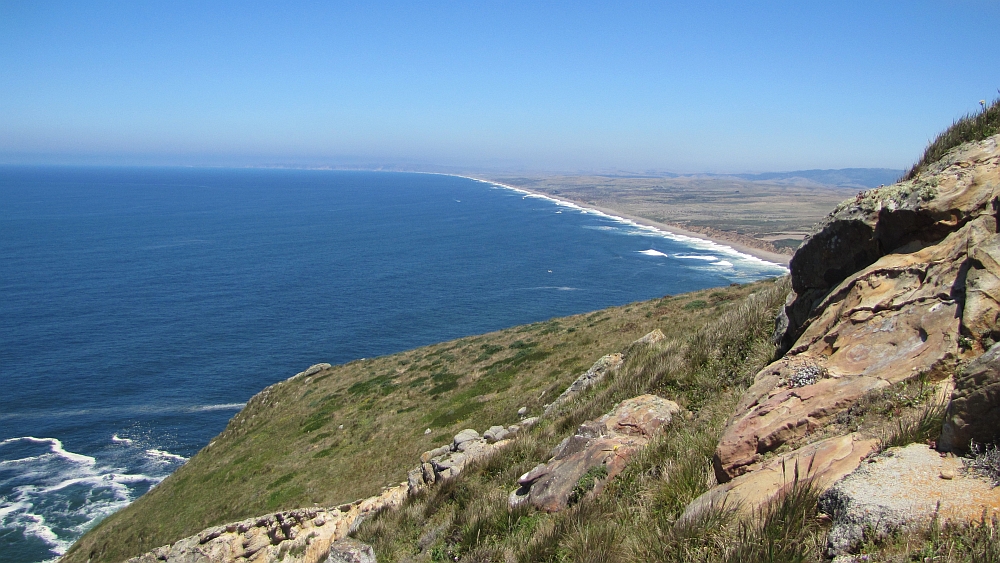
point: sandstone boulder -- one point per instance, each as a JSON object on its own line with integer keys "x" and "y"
{"x": 973, "y": 414}
{"x": 819, "y": 464}
{"x": 605, "y": 444}
{"x": 898, "y": 318}
{"x": 903, "y": 488}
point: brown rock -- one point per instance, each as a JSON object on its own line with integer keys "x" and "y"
{"x": 959, "y": 188}
{"x": 895, "y": 319}
{"x": 974, "y": 411}
{"x": 609, "y": 441}
{"x": 820, "y": 464}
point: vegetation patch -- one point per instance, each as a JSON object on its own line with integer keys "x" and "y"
{"x": 973, "y": 127}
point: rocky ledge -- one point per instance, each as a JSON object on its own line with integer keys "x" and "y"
{"x": 898, "y": 283}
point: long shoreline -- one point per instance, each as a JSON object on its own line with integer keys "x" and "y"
{"x": 760, "y": 254}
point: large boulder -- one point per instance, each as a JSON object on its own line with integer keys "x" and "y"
{"x": 599, "y": 449}
{"x": 819, "y": 465}
{"x": 918, "y": 296}
{"x": 973, "y": 414}
{"x": 901, "y": 489}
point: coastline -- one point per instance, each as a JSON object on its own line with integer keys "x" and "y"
{"x": 760, "y": 254}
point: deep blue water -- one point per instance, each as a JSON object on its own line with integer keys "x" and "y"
{"x": 140, "y": 307}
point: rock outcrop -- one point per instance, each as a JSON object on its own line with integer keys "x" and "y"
{"x": 605, "y": 444}
{"x": 907, "y": 310}
{"x": 296, "y": 536}
{"x": 974, "y": 411}
{"x": 449, "y": 460}
{"x": 902, "y": 281}
{"x": 903, "y": 488}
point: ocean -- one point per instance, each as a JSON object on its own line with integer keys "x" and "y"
{"x": 142, "y": 307}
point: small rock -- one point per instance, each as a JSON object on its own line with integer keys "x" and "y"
{"x": 522, "y": 411}
{"x": 495, "y": 434}
{"x": 947, "y": 474}
{"x": 428, "y": 431}
{"x": 529, "y": 422}
{"x": 464, "y": 436}
{"x": 350, "y": 550}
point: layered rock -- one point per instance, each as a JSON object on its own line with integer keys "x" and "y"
{"x": 904, "y": 488}
{"x": 973, "y": 414}
{"x": 948, "y": 194}
{"x": 606, "y": 444}
{"x": 819, "y": 464}
{"x": 899, "y": 282}
{"x": 296, "y": 536}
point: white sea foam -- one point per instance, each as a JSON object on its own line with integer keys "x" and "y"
{"x": 135, "y": 410}
{"x": 696, "y": 257}
{"x": 651, "y": 252}
{"x": 44, "y": 491}
{"x": 55, "y": 446}
{"x": 220, "y": 407}
{"x": 165, "y": 455}
{"x": 119, "y": 440}
{"x": 699, "y": 243}
{"x": 723, "y": 263}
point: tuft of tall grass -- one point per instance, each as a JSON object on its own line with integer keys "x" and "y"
{"x": 920, "y": 426}
{"x": 972, "y": 127}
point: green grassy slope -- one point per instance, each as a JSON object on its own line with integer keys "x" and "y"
{"x": 286, "y": 448}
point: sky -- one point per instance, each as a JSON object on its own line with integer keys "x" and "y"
{"x": 526, "y": 86}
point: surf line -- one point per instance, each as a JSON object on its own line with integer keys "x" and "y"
{"x": 702, "y": 243}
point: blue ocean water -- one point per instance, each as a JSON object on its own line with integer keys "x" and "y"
{"x": 141, "y": 307}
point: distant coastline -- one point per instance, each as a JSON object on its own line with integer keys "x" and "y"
{"x": 761, "y": 254}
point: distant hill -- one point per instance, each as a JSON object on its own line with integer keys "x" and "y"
{"x": 844, "y": 177}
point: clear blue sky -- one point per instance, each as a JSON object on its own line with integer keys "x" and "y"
{"x": 561, "y": 86}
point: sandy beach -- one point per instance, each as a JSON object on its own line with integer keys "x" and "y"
{"x": 774, "y": 257}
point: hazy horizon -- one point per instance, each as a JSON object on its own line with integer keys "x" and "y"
{"x": 560, "y": 88}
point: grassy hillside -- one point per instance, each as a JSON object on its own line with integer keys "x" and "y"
{"x": 287, "y": 449}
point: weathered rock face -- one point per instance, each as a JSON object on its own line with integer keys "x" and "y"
{"x": 950, "y": 193}
{"x": 898, "y": 283}
{"x": 297, "y": 536}
{"x": 607, "y": 442}
{"x": 821, "y": 464}
{"x": 974, "y": 411}
{"x": 901, "y": 488}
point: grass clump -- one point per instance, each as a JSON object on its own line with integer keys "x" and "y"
{"x": 973, "y": 127}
